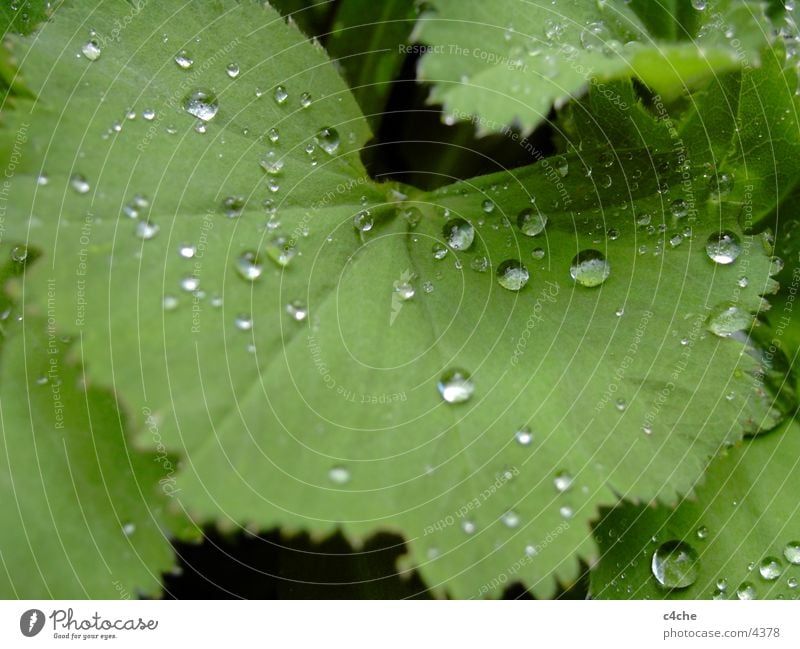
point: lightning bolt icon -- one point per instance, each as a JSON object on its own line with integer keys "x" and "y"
{"x": 34, "y": 617}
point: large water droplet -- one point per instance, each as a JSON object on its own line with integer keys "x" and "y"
{"x": 456, "y": 386}
{"x": 589, "y": 268}
{"x": 792, "y": 552}
{"x": 746, "y": 590}
{"x": 770, "y": 568}
{"x": 726, "y": 319}
{"x": 512, "y": 275}
{"x": 459, "y": 234}
{"x": 202, "y": 104}
{"x": 675, "y": 564}
{"x": 328, "y": 140}
{"x": 723, "y": 247}
{"x": 531, "y": 222}
{"x": 249, "y": 266}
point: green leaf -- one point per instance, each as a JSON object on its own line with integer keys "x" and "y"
{"x": 368, "y": 40}
{"x": 510, "y": 61}
{"x": 745, "y": 511}
{"x": 335, "y": 420}
{"x": 83, "y": 512}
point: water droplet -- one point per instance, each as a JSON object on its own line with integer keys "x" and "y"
{"x": 187, "y": 250}
{"x": 148, "y": 114}
{"x": 510, "y": 519}
{"x": 170, "y": 303}
{"x": 272, "y": 163}
{"x": 792, "y": 582}
{"x": 42, "y": 179}
{"x": 538, "y": 253}
{"x": 281, "y": 250}
{"x": 479, "y": 264}
{"x": 184, "y": 60}
{"x": 746, "y": 590}
{"x": 305, "y": 100}
{"x": 19, "y": 254}
{"x": 233, "y": 206}
{"x": 243, "y": 322}
{"x": 561, "y": 165}
{"x": 792, "y": 552}
{"x": 202, "y": 104}
{"x": 91, "y": 50}
{"x": 531, "y": 222}
{"x": 273, "y": 135}
{"x": 566, "y": 511}
{"x": 79, "y": 183}
{"x": 775, "y": 266}
{"x": 439, "y": 251}
{"x": 679, "y": 208}
{"x": 727, "y": 319}
{"x": 456, "y": 386}
{"x": 563, "y": 481}
{"x": 297, "y": 310}
{"x": 723, "y": 247}
{"x": 339, "y": 475}
{"x": 589, "y": 268}
{"x": 232, "y": 70}
{"x": 128, "y": 529}
{"x": 459, "y": 234}
{"x": 722, "y": 585}
{"x": 328, "y": 140}
{"x": 700, "y": 5}
{"x": 675, "y": 564}
{"x": 190, "y": 283}
{"x": 468, "y": 527}
{"x": 720, "y": 185}
{"x": 621, "y": 405}
{"x": 524, "y": 436}
{"x": 249, "y": 266}
{"x": 280, "y": 95}
{"x": 363, "y": 221}
{"x": 487, "y": 206}
{"x": 702, "y": 532}
{"x": 770, "y": 568}
{"x": 428, "y": 287}
{"x": 146, "y": 230}
{"x": 512, "y": 275}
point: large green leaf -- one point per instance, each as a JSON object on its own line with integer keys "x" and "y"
{"x": 83, "y": 512}
{"x": 508, "y": 62}
{"x": 335, "y": 419}
{"x": 744, "y": 516}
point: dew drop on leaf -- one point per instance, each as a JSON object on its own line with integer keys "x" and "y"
{"x": 297, "y": 310}
{"x": 201, "y": 104}
{"x": 363, "y": 221}
{"x": 746, "y": 590}
{"x": 19, "y": 254}
{"x": 679, "y": 208}
{"x": 563, "y": 481}
{"x": 468, "y": 527}
{"x": 91, "y": 50}
{"x": 79, "y": 183}
{"x": 723, "y": 247}
{"x": 512, "y": 275}
{"x": 524, "y": 436}
{"x": 233, "y": 206}
{"x": 232, "y": 70}
{"x": 190, "y": 283}
{"x": 487, "y": 206}
{"x": 726, "y": 319}
{"x": 439, "y": 251}
{"x": 510, "y": 519}
{"x": 339, "y": 475}
{"x": 187, "y": 250}
{"x": 770, "y": 568}
{"x": 328, "y": 140}
{"x": 280, "y": 95}
{"x": 589, "y": 268}
{"x": 281, "y": 250}
{"x": 249, "y": 266}
{"x": 456, "y": 386}
{"x": 305, "y": 100}
{"x": 531, "y": 222}
{"x": 243, "y": 322}
{"x": 170, "y": 303}
{"x": 675, "y": 564}
{"x": 146, "y": 230}
{"x": 128, "y": 529}
{"x": 792, "y": 552}
{"x": 183, "y": 60}
{"x": 459, "y": 234}
{"x": 721, "y": 185}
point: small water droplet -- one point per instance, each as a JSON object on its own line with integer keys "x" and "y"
{"x": 702, "y": 532}
{"x": 190, "y": 283}
{"x": 297, "y": 310}
{"x": 232, "y": 70}
{"x": 339, "y": 475}
{"x": 305, "y": 100}
{"x": 589, "y": 268}
{"x": 538, "y": 253}
{"x": 91, "y": 50}
{"x": 280, "y": 95}
{"x": 723, "y": 247}
{"x": 456, "y": 386}
{"x": 146, "y": 230}
{"x": 524, "y": 436}
{"x": 487, "y": 206}
{"x": 249, "y": 266}
{"x": 726, "y": 319}
{"x": 563, "y": 481}
{"x": 128, "y": 529}
{"x": 675, "y": 564}
{"x": 243, "y": 322}
{"x": 792, "y": 552}
{"x": 233, "y": 206}
{"x": 479, "y": 264}
{"x": 459, "y": 234}
{"x": 468, "y": 527}
{"x": 566, "y": 511}
{"x": 510, "y": 519}
{"x": 202, "y": 104}
{"x": 183, "y": 60}
{"x": 512, "y": 275}
{"x": 170, "y": 302}
{"x": 679, "y": 208}
{"x": 720, "y": 185}
{"x": 328, "y": 140}
{"x": 531, "y": 222}
{"x": 281, "y": 250}
{"x": 79, "y": 183}
{"x": 439, "y": 251}
{"x": 621, "y": 405}
{"x": 775, "y": 266}
{"x": 19, "y": 254}
{"x": 363, "y": 221}
{"x": 187, "y": 250}
{"x": 148, "y": 114}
